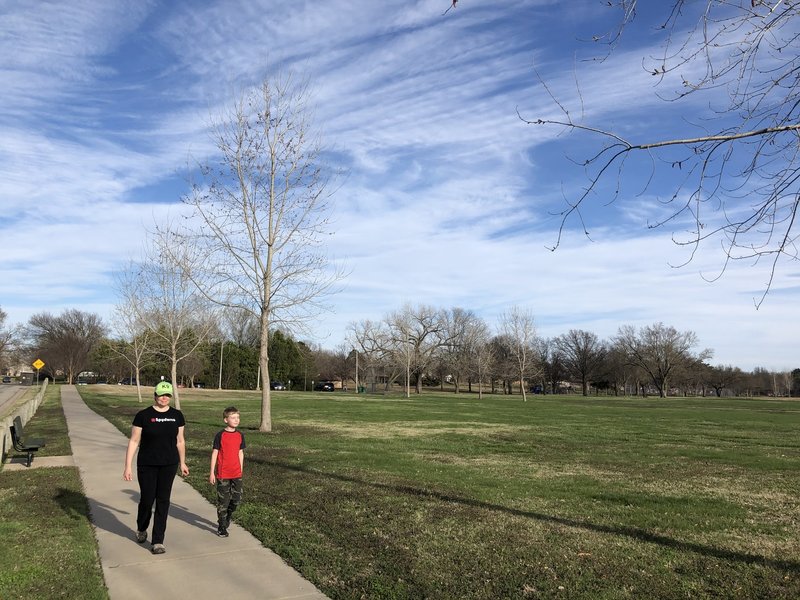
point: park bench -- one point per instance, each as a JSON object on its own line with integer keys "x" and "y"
{"x": 28, "y": 446}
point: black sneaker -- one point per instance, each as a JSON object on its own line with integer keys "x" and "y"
{"x": 141, "y": 537}
{"x": 222, "y": 531}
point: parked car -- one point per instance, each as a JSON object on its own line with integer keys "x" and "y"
{"x": 6, "y": 379}
{"x": 276, "y": 385}
{"x": 324, "y": 386}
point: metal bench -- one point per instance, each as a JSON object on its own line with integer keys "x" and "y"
{"x": 27, "y": 446}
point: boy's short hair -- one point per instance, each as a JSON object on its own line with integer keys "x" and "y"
{"x": 229, "y": 411}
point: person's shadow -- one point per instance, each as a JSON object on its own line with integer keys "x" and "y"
{"x": 117, "y": 521}
{"x": 176, "y": 511}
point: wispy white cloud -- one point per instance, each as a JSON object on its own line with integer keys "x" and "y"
{"x": 448, "y": 195}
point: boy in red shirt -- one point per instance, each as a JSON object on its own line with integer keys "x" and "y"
{"x": 227, "y": 464}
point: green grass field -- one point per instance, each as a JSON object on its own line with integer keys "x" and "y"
{"x": 446, "y": 496}
{"x": 48, "y": 548}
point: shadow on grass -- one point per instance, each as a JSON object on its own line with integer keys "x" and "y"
{"x": 631, "y": 532}
{"x": 74, "y": 504}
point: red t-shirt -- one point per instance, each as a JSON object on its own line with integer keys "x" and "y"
{"x": 228, "y": 443}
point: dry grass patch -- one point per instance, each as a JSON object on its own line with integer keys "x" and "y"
{"x": 411, "y": 429}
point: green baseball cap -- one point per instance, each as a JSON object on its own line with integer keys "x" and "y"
{"x": 164, "y": 388}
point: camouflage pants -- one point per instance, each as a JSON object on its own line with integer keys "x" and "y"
{"x": 229, "y": 496}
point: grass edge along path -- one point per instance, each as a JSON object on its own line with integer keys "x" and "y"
{"x": 48, "y": 547}
{"x": 445, "y": 496}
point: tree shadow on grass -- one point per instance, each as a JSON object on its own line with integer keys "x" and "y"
{"x": 74, "y": 504}
{"x": 635, "y": 533}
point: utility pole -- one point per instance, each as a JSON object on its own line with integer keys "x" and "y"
{"x": 356, "y": 351}
{"x": 221, "y": 346}
{"x": 408, "y": 368}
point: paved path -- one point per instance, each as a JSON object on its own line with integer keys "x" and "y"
{"x": 198, "y": 564}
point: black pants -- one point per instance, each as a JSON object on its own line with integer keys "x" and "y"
{"x": 155, "y": 486}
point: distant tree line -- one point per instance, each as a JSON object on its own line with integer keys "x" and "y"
{"x": 454, "y": 348}
{"x": 414, "y": 347}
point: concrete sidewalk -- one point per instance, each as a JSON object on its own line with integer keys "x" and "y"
{"x": 198, "y": 564}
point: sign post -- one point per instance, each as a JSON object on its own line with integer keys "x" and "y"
{"x": 38, "y": 364}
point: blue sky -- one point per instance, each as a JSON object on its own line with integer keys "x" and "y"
{"x": 448, "y": 197}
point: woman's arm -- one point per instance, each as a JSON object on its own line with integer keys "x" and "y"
{"x": 182, "y": 452}
{"x": 133, "y": 444}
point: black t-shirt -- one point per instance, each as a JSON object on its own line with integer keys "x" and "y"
{"x": 159, "y": 443}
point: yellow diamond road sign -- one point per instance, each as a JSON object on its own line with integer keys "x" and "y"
{"x": 38, "y": 364}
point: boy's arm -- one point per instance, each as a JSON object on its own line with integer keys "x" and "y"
{"x": 212, "y": 478}
{"x": 241, "y": 459}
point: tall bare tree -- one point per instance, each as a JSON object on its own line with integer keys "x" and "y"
{"x": 660, "y": 351}
{"x": 416, "y": 334}
{"x": 169, "y": 303}
{"x": 134, "y": 338}
{"x": 376, "y": 349}
{"x": 65, "y": 341}
{"x": 735, "y": 172}
{"x": 519, "y": 327}
{"x": 583, "y": 353}
{"x": 262, "y": 207}
{"x": 482, "y": 360}
{"x": 241, "y": 327}
{"x": 722, "y": 378}
{"x": 463, "y": 333}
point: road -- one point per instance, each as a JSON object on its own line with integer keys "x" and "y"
{"x": 9, "y": 394}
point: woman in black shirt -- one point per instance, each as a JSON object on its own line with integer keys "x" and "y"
{"x": 158, "y": 433}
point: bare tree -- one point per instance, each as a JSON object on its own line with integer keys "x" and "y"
{"x": 482, "y": 359}
{"x": 131, "y": 330}
{"x": 553, "y": 364}
{"x": 405, "y": 343}
{"x": 64, "y": 342}
{"x": 620, "y": 371}
{"x": 722, "y": 377}
{"x": 169, "y": 303}
{"x": 373, "y": 341}
{"x": 463, "y": 333}
{"x": 416, "y": 336}
{"x": 191, "y": 366}
{"x": 793, "y": 382}
{"x": 262, "y": 209}
{"x": 241, "y": 327}
{"x": 659, "y": 351}
{"x": 736, "y": 173}
{"x": 583, "y": 354}
{"x": 519, "y": 328}
{"x": 344, "y": 364}
{"x": 9, "y": 337}
{"x": 503, "y": 366}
